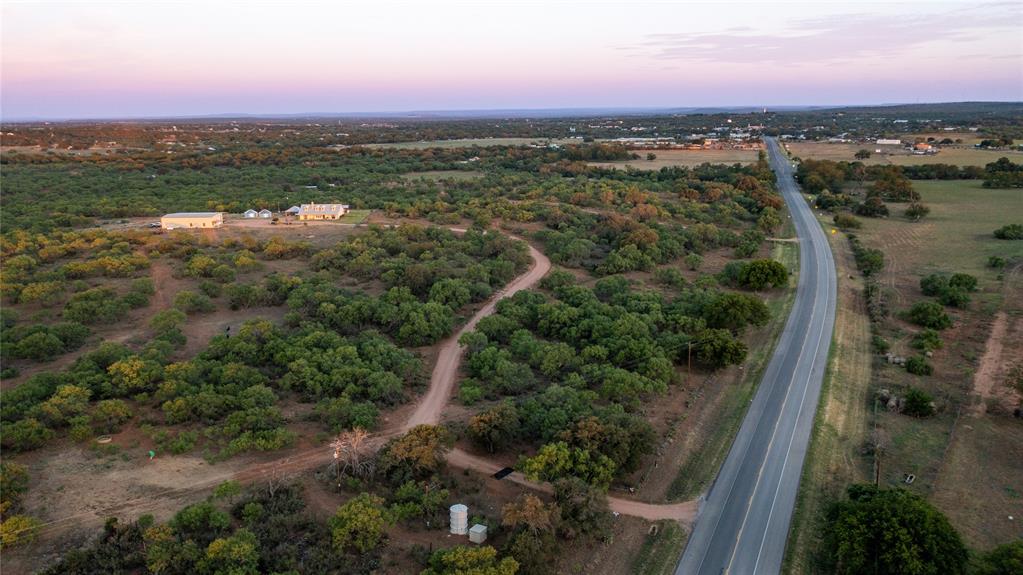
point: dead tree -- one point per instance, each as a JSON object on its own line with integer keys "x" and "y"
{"x": 349, "y": 451}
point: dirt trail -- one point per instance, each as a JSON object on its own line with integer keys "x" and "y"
{"x": 991, "y": 364}
{"x": 445, "y": 372}
{"x": 685, "y": 511}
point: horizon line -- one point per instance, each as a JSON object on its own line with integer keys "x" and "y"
{"x": 488, "y": 113}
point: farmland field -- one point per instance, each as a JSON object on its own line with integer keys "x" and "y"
{"x": 670, "y": 158}
{"x": 469, "y": 142}
{"x": 894, "y": 155}
{"x": 953, "y": 453}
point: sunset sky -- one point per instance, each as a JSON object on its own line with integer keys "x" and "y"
{"x": 129, "y": 59}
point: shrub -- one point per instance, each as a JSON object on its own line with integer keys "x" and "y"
{"x": 954, "y": 297}
{"x": 927, "y": 340}
{"x": 1010, "y": 232}
{"x": 880, "y": 344}
{"x": 847, "y": 221}
{"x": 928, "y": 314}
{"x": 191, "y": 302}
{"x": 918, "y": 366}
{"x": 996, "y": 262}
{"x": 759, "y": 274}
{"x": 963, "y": 281}
{"x": 917, "y": 403}
{"x": 933, "y": 284}
{"x": 917, "y": 211}
{"x": 17, "y": 530}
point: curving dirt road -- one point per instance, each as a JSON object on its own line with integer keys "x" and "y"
{"x": 445, "y": 372}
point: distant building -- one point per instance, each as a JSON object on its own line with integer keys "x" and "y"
{"x": 322, "y": 211}
{"x": 250, "y": 213}
{"x": 265, "y": 213}
{"x": 192, "y": 220}
{"x": 886, "y": 142}
{"x": 292, "y": 211}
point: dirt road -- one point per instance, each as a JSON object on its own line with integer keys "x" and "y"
{"x": 445, "y": 372}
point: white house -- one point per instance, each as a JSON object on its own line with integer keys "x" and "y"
{"x": 265, "y": 213}
{"x": 322, "y": 211}
{"x": 250, "y": 213}
{"x": 293, "y": 211}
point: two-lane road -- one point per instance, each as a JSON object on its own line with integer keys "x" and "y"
{"x": 744, "y": 522}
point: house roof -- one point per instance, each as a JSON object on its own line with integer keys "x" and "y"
{"x": 322, "y": 209}
{"x": 192, "y": 215}
{"x": 249, "y": 211}
{"x": 265, "y": 211}
{"x": 293, "y": 209}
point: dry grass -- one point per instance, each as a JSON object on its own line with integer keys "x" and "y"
{"x": 893, "y": 155}
{"x": 670, "y": 158}
{"x": 469, "y": 142}
{"x": 967, "y": 461}
{"x": 834, "y": 460}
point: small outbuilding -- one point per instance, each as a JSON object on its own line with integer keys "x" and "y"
{"x": 478, "y": 533}
{"x": 192, "y": 220}
{"x": 250, "y": 213}
{"x": 265, "y": 213}
{"x": 293, "y": 211}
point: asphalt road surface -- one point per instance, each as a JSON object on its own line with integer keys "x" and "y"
{"x": 744, "y": 521}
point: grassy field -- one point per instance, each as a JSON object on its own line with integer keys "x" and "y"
{"x": 966, "y": 460}
{"x": 457, "y": 175}
{"x": 702, "y": 465}
{"x": 833, "y": 460}
{"x": 469, "y": 142}
{"x": 896, "y": 156}
{"x": 669, "y": 158}
{"x": 957, "y": 233}
{"x": 660, "y": 552}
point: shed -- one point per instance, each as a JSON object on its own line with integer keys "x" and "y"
{"x": 478, "y": 533}
{"x": 293, "y": 210}
{"x": 265, "y": 213}
{"x": 192, "y": 220}
{"x": 250, "y": 213}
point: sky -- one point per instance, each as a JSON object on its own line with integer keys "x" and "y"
{"x": 61, "y": 60}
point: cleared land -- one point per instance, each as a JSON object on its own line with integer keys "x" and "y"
{"x": 892, "y": 155}
{"x": 669, "y": 158}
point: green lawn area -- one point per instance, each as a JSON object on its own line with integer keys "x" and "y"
{"x": 957, "y": 235}
{"x": 355, "y": 216}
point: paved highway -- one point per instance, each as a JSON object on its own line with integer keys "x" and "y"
{"x": 744, "y": 521}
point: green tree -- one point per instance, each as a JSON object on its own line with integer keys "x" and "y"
{"x": 734, "y": 311}
{"x": 1010, "y": 232}
{"x": 918, "y": 403}
{"x": 891, "y": 531}
{"x": 462, "y": 560}
{"x": 234, "y": 555}
{"x": 359, "y": 524}
{"x": 759, "y": 274}
{"x": 929, "y": 314}
{"x": 110, "y": 414}
{"x": 558, "y": 459}
{"x": 417, "y": 454}
{"x": 1006, "y": 559}
{"x": 862, "y": 154}
{"x": 496, "y": 427}
{"x": 584, "y": 509}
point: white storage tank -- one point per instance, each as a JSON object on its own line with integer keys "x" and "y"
{"x": 478, "y": 533}
{"x": 459, "y": 519}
